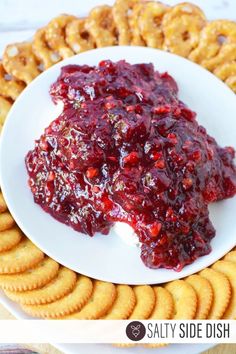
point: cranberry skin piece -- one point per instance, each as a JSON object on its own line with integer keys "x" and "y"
{"x": 125, "y": 148}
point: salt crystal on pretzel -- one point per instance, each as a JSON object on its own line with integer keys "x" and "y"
{"x": 55, "y": 35}
{"x": 9, "y": 87}
{"x": 150, "y": 23}
{"x": 101, "y": 26}
{"x": 182, "y": 25}
{"x": 121, "y": 11}
{"x": 78, "y": 37}
{"x": 217, "y": 44}
{"x": 45, "y": 55}
{"x": 20, "y": 62}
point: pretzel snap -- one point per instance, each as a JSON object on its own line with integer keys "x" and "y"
{"x": 9, "y": 87}
{"x": 121, "y": 12}
{"x": 45, "y": 55}
{"x": 5, "y": 107}
{"x": 78, "y": 37}
{"x": 55, "y": 35}
{"x": 101, "y": 26}
{"x": 133, "y": 18}
{"x": 20, "y": 62}
{"x": 182, "y": 25}
{"x": 227, "y": 72}
{"x": 217, "y": 44}
{"x": 150, "y": 23}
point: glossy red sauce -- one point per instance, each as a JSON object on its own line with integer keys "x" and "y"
{"x": 127, "y": 149}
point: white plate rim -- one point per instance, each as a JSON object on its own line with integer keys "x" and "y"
{"x": 37, "y": 242}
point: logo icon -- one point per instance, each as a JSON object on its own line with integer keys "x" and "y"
{"x": 135, "y": 331}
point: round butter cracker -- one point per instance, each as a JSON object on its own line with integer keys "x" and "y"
{"x": 123, "y": 304}
{"x": 20, "y": 258}
{"x": 6, "y": 221}
{"x": 100, "y": 302}
{"x": 221, "y": 292}
{"x": 3, "y": 205}
{"x": 10, "y": 238}
{"x": 32, "y": 278}
{"x": 185, "y": 299}
{"x": 145, "y": 302}
{"x": 67, "y": 304}
{"x": 228, "y": 268}
{"x": 58, "y": 287}
{"x": 204, "y": 294}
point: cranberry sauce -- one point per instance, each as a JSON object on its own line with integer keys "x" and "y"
{"x": 125, "y": 148}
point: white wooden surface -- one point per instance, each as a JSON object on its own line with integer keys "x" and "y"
{"x": 20, "y": 18}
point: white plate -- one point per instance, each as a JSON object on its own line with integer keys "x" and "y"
{"x": 109, "y": 257}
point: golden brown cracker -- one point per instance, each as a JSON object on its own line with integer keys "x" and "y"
{"x": 9, "y": 87}
{"x": 3, "y": 205}
{"x": 67, "y": 304}
{"x": 100, "y": 24}
{"x": 227, "y": 73}
{"x": 55, "y": 35}
{"x": 221, "y": 292}
{"x": 123, "y": 304}
{"x": 217, "y": 44}
{"x": 20, "y": 62}
{"x": 150, "y": 23}
{"x": 78, "y": 37}
{"x": 231, "y": 256}
{"x": 43, "y": 53}
{"x": 164, "y": 305}
{"x": 58, "y": 287}
{"x": 121, "y": 10}
{"x": 181, "y": 26}
{"x": 136, "y": 292}
{"x": 133, "y": 18}
{"x": 163, "y": 310}
{"x": 217, "y": 63}
{"x": 6, "y": 221}
{"x": 204, "y": 295}
{"x": 226, "y": 70}
{"x": 231, "y": 82}
{"x": 32, "y": 278}
{"x": 228, "y": 268}
{"x": 5, "y": 107}
{"x": 145, "y": 302}
{"x": 20, "y": 258}
{"x": 10, "y": 238}
{"x": 185, "y": 299}
{"x": 103, "y": 297}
